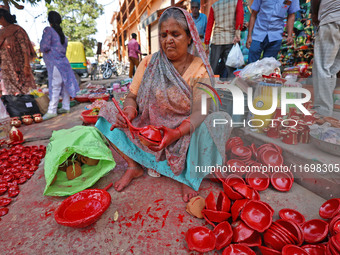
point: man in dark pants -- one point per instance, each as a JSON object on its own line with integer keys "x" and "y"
{"x": 227, "y": 15}
{"x": 134, "y": 50}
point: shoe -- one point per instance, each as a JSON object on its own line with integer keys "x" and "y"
{"x": 62, "y": 110}
{"x": 48, "y": 116}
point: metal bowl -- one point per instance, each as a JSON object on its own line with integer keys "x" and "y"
{"x": 326, "y": 146}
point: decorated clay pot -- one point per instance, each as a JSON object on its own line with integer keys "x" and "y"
{"x": 273, "y": 131}
{"x": 15, "y": 121}
{"x": 290, "y": 137}
{"x": 27, "y": 120}
{"x": 15, "y": 135}
{"x": 38, "y": 119}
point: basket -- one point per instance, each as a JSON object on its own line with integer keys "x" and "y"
{"x": 5, "y": 126}
{"x": 89, "y": 119}
{"x": 82, "y": 99}
{"x": 105, "y": 98}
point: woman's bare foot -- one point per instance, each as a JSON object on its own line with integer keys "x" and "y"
{"x": 132, "y": 172}
{"x": 188, "y": 193}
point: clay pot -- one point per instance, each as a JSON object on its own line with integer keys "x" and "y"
{"x": 293, "y": 249}
{"x": 73, "y": 170}
{"x": 281, "y": 181}
{"x": 290, "y": 214}
{"x": 237, "y": 207}
{"x": 315, "y": 230}
{"x": 15, "y": 135}
{"x": 54, "y": 180}
{"x": 200, "y": 239}
{"x": 234, "y": 249}
{"x": 27, "y": 120}
{"x": 88, "y": 161}
{"x": 268, "y": 251}
{"x": 330, "y": 208}
{"x": 223, "y": 234}
{"x": 257, "y": 216}
{"x": 64, "y": 165}
{"x": 38, "y": 119}
{"x": 195, "y": 206}
{"x": 15, "y": 122}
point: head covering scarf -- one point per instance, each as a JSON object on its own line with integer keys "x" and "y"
{"x": 164, "y": 98}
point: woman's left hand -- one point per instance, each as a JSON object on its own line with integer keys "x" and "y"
{"x": 169, "y": 136}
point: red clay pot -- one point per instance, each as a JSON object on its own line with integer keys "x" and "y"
{"x": 334, "y": 225}
{"x": 237, "y": 207}
{"x": 314, "y": 249}
{"x": 215, "y": 216}
{"x": 281, "y": 181}
{"x": 200, "y": 239}
{"x": 330, "y": 208}
{"x": 293, "y": 250}
{"x": 315, "y": 230}
{"x": 267, "y": 251}
{"x": 258, "y": 180}
{"x": 257, "y": 216}
{"x": 241, "y": 231}
{"x": 224, "y": 234}
{"x": 238, "y": 249}
{"x": 293, "y": 215}
{"x": 292, "y": 228}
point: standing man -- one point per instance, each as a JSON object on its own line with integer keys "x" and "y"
{"x": 200, "y": 19}
{"x": 266, "y": 27}
{"x": 326, "y": 16}
{"x": 134, "y": 50}
{"x": 227, "y": 15}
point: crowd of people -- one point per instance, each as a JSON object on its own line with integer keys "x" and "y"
{"x": 165, "y": 92}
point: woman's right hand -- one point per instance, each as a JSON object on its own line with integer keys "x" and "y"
{"x": 120, "y": 121}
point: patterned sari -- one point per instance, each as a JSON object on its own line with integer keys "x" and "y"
{"x": 15, "y": 48}
{"x": 165, "y": 98}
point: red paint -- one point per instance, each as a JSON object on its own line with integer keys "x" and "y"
{"x": 168, "y": 245}
{"x": 128, "y": 224}
{"x": 137, "y": 215}
{"x": 158, "y": 200}
{"x": 158, "y": 209}
{"x": 154, "y": 217}
{"x": 180, "y": 217}
{"x": 166, "y": 215}
{"x": 148, "y": 210}
{"x": 142, "y": 223}
{"x": 131, "y": 249}
{"x": 154, "y": 231}
{"x": 177, "y": 240}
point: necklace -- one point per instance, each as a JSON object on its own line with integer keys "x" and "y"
{"x": 185, "y": 65}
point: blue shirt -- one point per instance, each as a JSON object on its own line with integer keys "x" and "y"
{"x": 201, "y": 24}
{"x": 270, "y": 18}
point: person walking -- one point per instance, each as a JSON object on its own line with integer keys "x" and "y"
{"x": 16, "y": 53}
{"x": 61, "y": 78}
{"x": 326, "y": 17}
{"x": 227, "y": 15}
{"x": 266, "y": 27}
{"x": 200, "y": 19}
{"x": 134, "y": 50}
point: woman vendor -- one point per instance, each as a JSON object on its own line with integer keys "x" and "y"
{"x": 164, "y": 93}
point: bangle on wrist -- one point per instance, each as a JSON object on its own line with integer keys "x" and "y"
{"x": 192, "y": 125}
{"x": 129, "y": 106}
{"x": 180, "y": 133}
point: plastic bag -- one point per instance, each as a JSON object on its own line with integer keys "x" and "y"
{"x": 235, "y": 57}
{"x": 86, "y": 141}
{"x": 261, "y": 67}
{"x": 20, "y": 105}
{"x": 3, "y": 112}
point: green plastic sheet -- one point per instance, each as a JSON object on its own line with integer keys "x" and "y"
{"x": 84, "y": 140}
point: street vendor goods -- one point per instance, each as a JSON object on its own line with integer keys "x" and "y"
{"x": 83, "y": 208}
{"x": 80, "y": 140}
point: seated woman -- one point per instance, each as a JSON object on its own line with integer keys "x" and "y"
{"x": 160, "y": 95}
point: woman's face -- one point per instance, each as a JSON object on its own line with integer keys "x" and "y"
{"x": 174, "y": 39}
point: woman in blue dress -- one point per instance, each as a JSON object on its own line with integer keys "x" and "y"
{"x": 61, "y": 79}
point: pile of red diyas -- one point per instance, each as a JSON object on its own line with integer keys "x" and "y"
{"x": 241, "y": 222}
{"x": 295, "y": 128}
{"x": 250, "y": 162}
{"x": 17, "y": 165}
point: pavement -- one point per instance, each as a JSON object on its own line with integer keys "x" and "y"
{"x": 152, "y": 217}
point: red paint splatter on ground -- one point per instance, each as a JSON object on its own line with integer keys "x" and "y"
{"x": 128, "y": 224}
{"x": 180, "y": 217}
{"x": 88, "y": 230}
{"x": 154, "y": 217}
{"x": 168, "y": 245}
{"x": 148, "y": 210}
{"x": 154, "y": 231}
{"x": 137, "y": 215}
{"x": 190, "y": 220}
{"x": 177, "y": 240}
{"x": 166, "y": 215}
{"x": 158, "y": 209}
{"x": 182, "y": 233}
{"x": 131, "y": 249}
{"x": 142, "y": 223}
{"x": 159, "y": 200}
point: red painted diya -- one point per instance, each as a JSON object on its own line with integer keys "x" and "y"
{"x": 271, "y": 158}
{"x": 268, "y": 251}
{"x": 314, "y": 249}
{"x": 238, "y": 249}
{"x": 200, "y": 239}
{"x": 257, "y": 216}
{"x": 258, "y": 180}
{"x": 148, "y": 135}
{"x": 330, "y": 208}
{"x": 293, "y": 249}
{"x": 281, "y": 181}
{"x": 293, "y": 215}
{"x": 224, "y": 234}
{"x": 334, "y": 225}
{"x": 315, "y": 230}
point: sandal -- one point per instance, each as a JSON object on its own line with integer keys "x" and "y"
{"x": 153, "y": 173}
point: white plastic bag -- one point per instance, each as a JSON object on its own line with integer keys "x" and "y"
{"x": 235, "y": 57}
{"x": 261, "y": 67}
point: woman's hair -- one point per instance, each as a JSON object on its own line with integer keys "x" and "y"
{"x": 55, "y": 20}
{"x": 8, "y": 17}
{"x": 178, "y": 16}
